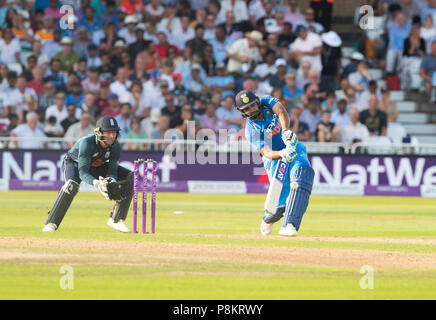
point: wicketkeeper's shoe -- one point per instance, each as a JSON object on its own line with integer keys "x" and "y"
{"x": 288, "y": 231}
{"x": 49, "y": 227}
{"x": 266, "y": 228}
{"x": 120, "y": 225}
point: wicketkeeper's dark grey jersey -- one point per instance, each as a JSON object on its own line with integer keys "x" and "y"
{"x": 87, "y": 152}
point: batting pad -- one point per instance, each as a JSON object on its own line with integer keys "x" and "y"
{"x": 296, "y": 205}
{"x": 62, "y": 202}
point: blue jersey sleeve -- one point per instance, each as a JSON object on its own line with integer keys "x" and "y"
{"x": 268, "y": 101}
{"x": 254, "y": 137}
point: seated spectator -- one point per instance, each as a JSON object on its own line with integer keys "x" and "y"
{"x": 53, "y": 130}
{"x": 150, "y": 124}
{"x": 374, "y": 119}
{"x": 181, "y": 123}
{"x": 222, "y": 81}
{"x": 290, "y": 90}
{"x": 181, "y": 33}
{"x": 58, "y": 110}
{"x": 16, "y": 99}
{"x": 299, "y": 127}
{"x": 135, "y": 133}
{"x": 79, "y": 129}
{"x": 91, "y": 84}
{"x": 163, "y": 126}
{"x": 355, "y": 59}
{"x": 428, "y": 68}
{"x": 220, "y": 44}
{"x": 268, "y": 68}
{"x": 327, "y": 131}
{"x": 124, "y": 118}
{"x": 55, "y": 75}
{"x": 209, "y": 120}
{"x": 373, "y": 90}
{"x": 76, "y": 96}
{"x": 352, "y": 101}
{"x": 5, "y": 131}
{"x": 67, "y": 56}
{"x": 93, "y": 60}
{"x": 71, "y": 118}
{"x": 243, "y": 51}
{"x": 128, "y": 31}
{"x": 197, "y": 44}
{"x": 113, "y": 107}
{"x": 278, "y": 79}
{"x": 163, "y": 45}
{"x": 428, "y": 32}
{"x": 9, "y": 47}
{"x": 230, "y": 115}
{"x": 360, "y": 79}
{"x": 312, "y": 116}
{"x": 29, "y": 129}
{"x": 414, "y": 50}
{"x": 329, "y": 103}
{"x": 310, "y": 92}
{"x": 307, "y": 47}
{"x": 171, "y": 109}
{"x": 395, "y": 130}
{"x": 194, "y": 83}
{"x": 37, "y": 83}
{"x": 331, "y": 60}
{"x": 303, "y": 75}
{"x": 354, "y": 131}
{"x": 340, "y": 115}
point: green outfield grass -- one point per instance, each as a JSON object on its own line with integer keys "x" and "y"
{"x": 214, "y": 250}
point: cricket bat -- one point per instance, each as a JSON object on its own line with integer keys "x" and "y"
{"x": 275, "y": 187}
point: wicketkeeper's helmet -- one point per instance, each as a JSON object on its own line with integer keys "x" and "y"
{"x": 106, "y": 123}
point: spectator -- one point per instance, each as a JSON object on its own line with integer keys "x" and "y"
{"x": 268, "y": 68}
{"x": 42, "y": 59}
{"x": 293, "y": 15}
{"x": 150, "y": 124}
{"x": 79, "y": 129}
{"x": 194, "y": 83}
{"x": 410, "y": 9}
{"x": 222, "y": 81}
{"x": 76, "y": 96}
{"x": 330, "y": 57}
{"x": 37, "y": 83}
{"x": 310, "y": 92}
{"x": 395, "y": 130}
{"x": 360, "y": 79}
{"x": 113, "y": 108}
{"x": 183, "y": 33}
{"x": 330, "y": 101}
{"x": 310, "y": 23}
{"x": 67, "y": 56}
{"x": 163, "y": 45}
{"x": 70, "y": 119}
{"x": 163, "y": 126}
{"x": 290, "y": 90}
{"x": 124, "y": 119}
{"x": 136, "y": 134}
{"x": 209, "y": 28}
{"x": 91, "y": 84}
{"x": 53, "y": 46}
{"x": 209, "y": 120}
{"x": 229, "y": 114}
{"x": 303, "y": 75}
{"x": 414, "y": 50}
{"x": 340, "y": 116}
{"x": 327, "y": 131}
{"x": 374, "y": 119}
{"x": 238, "y": 7}
{"x": 208, "y": 62}
{"x": 47, "y": 98}
{"x": 122, "y": 83}
{"x": 171, "y": 109}
{"x": 197, "y": 44}
{"x": 30, "y": 65}
{"x": 13, "y": 123}
{"x": 131, "y": 7}
{"x": 243, "y": 51}
{"x": 355, "y": 59}
{"x": 312, "y": 116}
{"x": 154, "y": 11}
{"x": 278, "y": 79}
{"x": 397, "y": 34}
{"x": 29, "y": 130}
{"x": 46, "y": 33}
{"x": 16, "y": 100}
{"x": 89, "y": 20}
{"x": 428, "y": 68}
{"x": 181, "y": 123}
{"x": 220, "y": 44}
{"x": 428, "y": 32}
{"x": 58, "y": 110}
{"x": 355, "y": 131}
{"x": 9, "y": 47}
{"x": 299, "y": 127}
{"x": 53, "y": 130}
{"x": 128, "y": 31}
{"x": 428, "y": 8}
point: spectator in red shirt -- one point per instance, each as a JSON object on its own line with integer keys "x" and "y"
{"x": 37, "y": 83}
{"x": 131, "y": 6}
{"x": 163, "y": 45}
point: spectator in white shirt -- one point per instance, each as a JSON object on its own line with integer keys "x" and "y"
{"x": 29, "y": 130}
{"x": 307, "y": 47}
{"x": 355, "y": 131}
{"x": 16, "y": 101}
{"x": 9, "y": 47}
{"x": 312, "y": 115}
{"x": 267, "y": 69}
{"x": 127, "y": 32}
{"x": 79, "y": 129}
{"x": 120, "y": 87}
{"x": 239, "y": 8}
{"x": 171, "y": 22}
{"x": 182, "y": 34}
{"x": 243, "y": 51}
{"x": 340, "y": 116}
{"x": 58, "y": 110}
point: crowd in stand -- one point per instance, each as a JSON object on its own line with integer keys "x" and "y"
{"x": 156, "y": 65}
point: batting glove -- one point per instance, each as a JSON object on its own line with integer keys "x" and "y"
{"x": 288, "y": 154}
{"x": 289, "y": 138}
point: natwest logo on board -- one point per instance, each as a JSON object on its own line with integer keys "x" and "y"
{"x": 374, "y": 171}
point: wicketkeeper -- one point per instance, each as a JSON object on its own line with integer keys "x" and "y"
{"x": 268, "y": 130}
{"x": 94, "y": 159}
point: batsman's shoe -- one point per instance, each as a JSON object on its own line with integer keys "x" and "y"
{"x": 266, "y": 228}
{"x": 288, "y": 231}
{"x": 120, "y": 225}
{"x": 49, "y": 227}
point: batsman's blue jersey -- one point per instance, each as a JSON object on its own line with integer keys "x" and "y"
{"x": 268, "y": 132}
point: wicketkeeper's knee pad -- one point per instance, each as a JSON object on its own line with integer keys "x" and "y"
{"x": 301, "y": 188}
{"x": 62, "y": 202}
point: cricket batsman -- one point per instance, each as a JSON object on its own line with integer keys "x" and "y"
{"x": 268, "y": 130}
{"x": 94, "y": 159}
